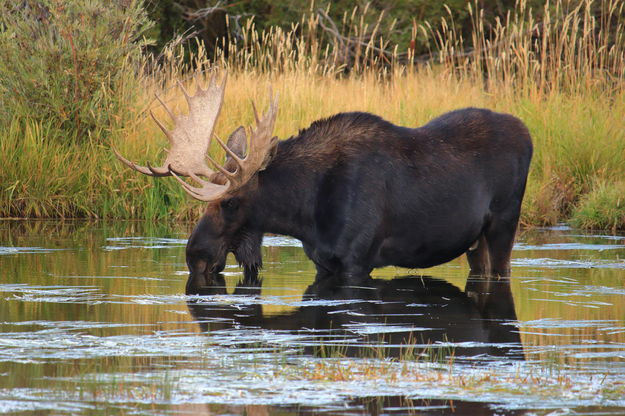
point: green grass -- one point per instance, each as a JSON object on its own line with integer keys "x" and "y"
{"x": 603, "y": 207}
{"x": 47, "y": 179}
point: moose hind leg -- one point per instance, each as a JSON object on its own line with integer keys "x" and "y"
{"x": 478, "y": 257}
{"x": 500, "y": 238}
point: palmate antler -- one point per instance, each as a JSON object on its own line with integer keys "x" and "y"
{"x": 191, "y": 137}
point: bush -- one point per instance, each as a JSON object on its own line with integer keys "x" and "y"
{"x": 71, "y": 64}
{"x": 602, "y": 208}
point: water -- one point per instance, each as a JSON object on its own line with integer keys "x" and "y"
{"x": 94, "y": 320}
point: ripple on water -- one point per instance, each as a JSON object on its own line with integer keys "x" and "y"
{"x": 568, "y": 246}
{"x": 124, "y": 243}
{"x": 28, "y": 250}
{"x": 567, "y": 264}
{"x": 53, "y": 294}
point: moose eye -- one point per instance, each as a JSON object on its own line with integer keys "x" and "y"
{"x": 230, "y": 204}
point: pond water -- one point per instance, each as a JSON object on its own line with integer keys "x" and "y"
{"x": 94, "y": 320}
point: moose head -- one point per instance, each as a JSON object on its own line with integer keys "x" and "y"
{"x": 227, "y": 188}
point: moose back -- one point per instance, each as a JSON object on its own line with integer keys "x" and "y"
{"x": 358, "y": 191}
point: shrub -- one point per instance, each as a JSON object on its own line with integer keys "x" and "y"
{"x": 602, "y": 208}
{"x": 71, "y": 64}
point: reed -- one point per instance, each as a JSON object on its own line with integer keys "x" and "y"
{"x": 563, "y": 75}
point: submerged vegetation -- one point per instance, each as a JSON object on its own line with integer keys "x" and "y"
{"x": 66, "y": 93}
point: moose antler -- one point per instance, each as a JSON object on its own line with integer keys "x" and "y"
{"x": 191, "y": 137}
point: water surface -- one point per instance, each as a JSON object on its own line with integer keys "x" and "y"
{"x": 93, "y": 320}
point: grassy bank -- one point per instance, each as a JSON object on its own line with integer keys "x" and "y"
{"x": 563, "y": 76}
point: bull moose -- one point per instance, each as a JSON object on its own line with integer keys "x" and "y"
{"x": 357, "y": 190}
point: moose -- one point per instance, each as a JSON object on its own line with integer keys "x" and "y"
{"x": 357, "y": 190}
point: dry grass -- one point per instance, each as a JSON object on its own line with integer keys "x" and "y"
{"x": 579, "y": 140}
{"x": 563, "y": 76}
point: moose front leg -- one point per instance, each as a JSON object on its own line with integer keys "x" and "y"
{"x": 250, "y": 276}
{"x": 248, "y": 254}
{"x": 327, "y": 267}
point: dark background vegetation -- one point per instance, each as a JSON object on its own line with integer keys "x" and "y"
{"x": 207, "y": 19}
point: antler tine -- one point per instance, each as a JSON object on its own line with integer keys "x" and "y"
{"x": 275, "y": 101}
{"x": 208, "y": 192}
{"x": 230, "y": 153}
{"x": 255, "y": 113}
{"x": 145, "y": 170}
{"x": 223, "y": 83}
{"x": 268, "y": 120}
{"x": 272, "y": 98}
{"x": 173, "y": 117}
{"x": 231, "y": 176}
{"x": 211, "y": 82}
{"x": 130, "y": 164}
{"x": 273, "y": 106}
{"x": 162, "y": 171}
{"x": 198, "y": 84}
{"x": 162, "y": 126}
{"x": 261, "y": 145}
{"x": 191, "y": 190}
{"x": 186, "y": 94}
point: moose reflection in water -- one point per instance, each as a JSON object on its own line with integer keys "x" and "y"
{"x": 413, "y": 310}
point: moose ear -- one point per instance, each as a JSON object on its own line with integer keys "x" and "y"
{"x": 237, "y": 142}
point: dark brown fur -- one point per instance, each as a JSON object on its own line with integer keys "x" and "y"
{"x": 361, "y": 193}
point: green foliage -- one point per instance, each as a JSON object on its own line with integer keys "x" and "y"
{"x": 398, "y": 23}
{"x": 603, "y": 207}
{"x": 168, "y": 22}
{"x": 70, "y": 64}
{"x": 52, "y": 179}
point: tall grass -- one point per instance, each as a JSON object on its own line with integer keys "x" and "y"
{"x": 563, "y": 75}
